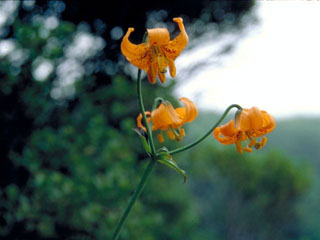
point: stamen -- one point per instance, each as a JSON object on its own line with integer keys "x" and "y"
{"x": 181, "y": 134}
{"x": 152, "y": 73}
{"x": 153, "y": 54}
{"x": 257, "y": 145}
{"x": 239, "y": 146}
{"x": 172, "y": 67}
{"x": 264, "y": 141}
{"x": 248, "y": 135}
{"x": 162, "y": 60}
{"x": 162, "y": 77}
{"x": 247, "y": 149}
{"x": 171, "y": 134}
{"x": 160, "y": 138}
{"x": 252, "y": 143}
{"x": 151, "y": 79}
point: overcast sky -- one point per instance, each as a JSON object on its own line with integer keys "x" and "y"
{"x": 275, "y": 67}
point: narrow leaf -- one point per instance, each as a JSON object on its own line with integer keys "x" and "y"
{"x": 143, "y": 140}
{"x": 167, "y": 160}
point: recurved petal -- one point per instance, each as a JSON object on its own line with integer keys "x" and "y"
{"x": 181, "y": 111}
{"x": 139, "y": 123}
{"x": 256, "y": 118}
{"x": 230, "y": 139}
{"x": 216, "y": 133}
{"x": 177, "y": 120}
{"x": 269, "y": 122}
{"x": 139, "y": 55}
{"x": 158, "y": 36}
{"x": 165, "y": 116}
{"x": 189, "y": 112}
{"x": 174, "y": 47}
{"x": 139, "y": 119}
{"x": 243, "y": 121}
{"x": 228, "y": 129}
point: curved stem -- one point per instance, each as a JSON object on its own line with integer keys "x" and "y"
{"x": 133, "y": 199}
{"x": 149, "y": 132}
{"x": 156, "y": 102}
{"x": 208, "y": 133}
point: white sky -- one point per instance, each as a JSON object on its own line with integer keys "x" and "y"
{"x": 276, "y": 66}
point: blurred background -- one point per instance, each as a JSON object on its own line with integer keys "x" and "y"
{"x": 70, "y": 160}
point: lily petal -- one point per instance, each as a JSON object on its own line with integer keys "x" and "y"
{"x": 189, "y": 112}
{"x": 175, "y": 46}
{"x": 243, "y": 122}
{"x": 228, "y": 133}
{"x": 228, "y": 129}
{"x": 256, "y": 118}
{"x": 268, "y": 122}
{"x": 158, "y": 36}
{"x": 165, "y": 116}
{"x": 139, "y": 119}
{"x": 138, "y": 55}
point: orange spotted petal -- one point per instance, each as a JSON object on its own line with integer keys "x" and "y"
{"x": 139, "y": 55}
{"x": 250, "y": 119}
{"x": 173, "y": 49}
{"x": 158, "y": 36}
{"x": 268, "y": 125}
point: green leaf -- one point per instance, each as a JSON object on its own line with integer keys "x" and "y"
{"x": 143, "y": 140}
{"x": 166, "y": 159}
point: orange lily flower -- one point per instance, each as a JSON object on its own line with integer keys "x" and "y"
{"x": 250, "y": 125}
{"x": 166, "y": 118}
{"x": 158, "y": 53}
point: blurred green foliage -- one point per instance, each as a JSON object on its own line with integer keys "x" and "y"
{"x": 71, "y": 161}
{"x": 247, "y": 196}
{"x": 82, "y": 159}
{"x": 81, "y": 176}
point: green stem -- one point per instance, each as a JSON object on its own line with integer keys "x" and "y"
{"x": 208, "y": 133}
{"x": 149, "y": 132}
{"x": 133, "y": 199}
{"x": 156, "y": 102}
{"x": 148, "y": 170}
